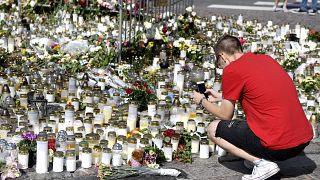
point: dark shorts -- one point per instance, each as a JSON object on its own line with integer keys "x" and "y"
{"x": 238, "y": 133}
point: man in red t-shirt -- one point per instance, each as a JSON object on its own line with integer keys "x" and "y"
{"x": 276, "y": 127}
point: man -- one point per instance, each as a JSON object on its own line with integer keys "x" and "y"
{"x": 304, "y": 9}
{"x": 276, "y": 127}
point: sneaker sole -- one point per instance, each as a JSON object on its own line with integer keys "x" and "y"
{"x": 266, "y": 176}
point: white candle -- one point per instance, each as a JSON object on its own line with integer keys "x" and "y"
{"x": 57, "y": 163}
{"x": 152, "y": 109}
{"x": 116, "y": 160}
{"x": 23, "y": 160}
{"x": 221, "y": 152}
{"x": 107, "y": 112}
{"x": 167, "y": 150}
{"x": 10, "y": 44}
{"x": 75, "y": 18}
{"x": 195, "y": 144}
{"x": 86, "y": 158}
{"x": 106, "y": 157}
{"x": 204, "y": 149}
{"x": 175, "y": 143}
{"x": 42, "y": 155}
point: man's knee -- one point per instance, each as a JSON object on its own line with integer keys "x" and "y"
{"x": 212, "y": 128}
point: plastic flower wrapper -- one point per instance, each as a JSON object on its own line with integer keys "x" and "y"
{"x": 11, "y": 171}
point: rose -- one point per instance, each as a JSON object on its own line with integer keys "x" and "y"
{"x": 129, "y": 91}
{"x": 148, "y": 91}
{"x": 169, "y": 133}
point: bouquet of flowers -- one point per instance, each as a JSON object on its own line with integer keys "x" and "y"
{"x": 292, "y": 61}
{"x": 309, "y": 84}
{"x": 183, "y": 154}
{"x": 141, "y": 94}
{"x": 153, "y": 157}
{"x": 28, "y": 141}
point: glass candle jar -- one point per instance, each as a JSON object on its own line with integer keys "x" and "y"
{"x": 122, "y": 131}
{"x": 70, "y": 130}
{"x": 117, "y": 155}
{"x": 195, "y": 142}
{"x": 179, "y": 126}
{"x": 175, "y": 142}
{"x": 191, "y": 127}
{"x": 88, "y": 126}
{"x": 152, "y": 108}
{"x": 4, "y": 129}
{"x": 42, "y": 154}
{"x": 71, "y": 161}
{"x": 96, "y": 154}
{"x": 111, "y": 139}
{"x": 167, "y": 150}
{"x": 201, "y": 127}
{"x": 158, "y": 141}
{"x": 83, "y": 144}
{"x": 71, "y": 142}
{"x": 132, "y": 145}
{"x": 155, "y": 128}
{"x": 86, "y": 158}
{"x": 61, "y": 125}
{"x": 106, "y": 156}
{"x": 58, "y": 159}
{"x": 23, "y": 158}
{"x": 204, "y": 149}
{"x": 69, "y": 115}
{"x": 144, "y": 122}
{"x": 92, "y": 139}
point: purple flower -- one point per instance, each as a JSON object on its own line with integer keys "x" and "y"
{"x": 29, "y": 136}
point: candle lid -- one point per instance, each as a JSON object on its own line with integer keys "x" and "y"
{"x": 23, "y": 151}
{"x": 71, "y": 138}
{"x": 104, "y": 141}
{"x": 195, "y": 137}
{"x": 88, "y": 121}
{"x": 179, "y": 123}
{"x": 47, "y": 129}
{"x": 97, "y": 148}
{"x": 58, "y": 154}
{"x": 148, "y": 136}
{"x": 84, "y": 144}
{"x": 106, "y": 150}
{"x": 132, "y": 140}
{"x": 81, "y": 128}
{"x": 112, "y": 134}
{"x": 204, "y": 141}
{"x": 97, "y": 126}
{"x": 117, "y": 147}
{"x": 70, "y": 153}
{"x": 201, "y": 124}
{"x": 167, "y": 145}
{"x": 121, "y": 138}
{"x": 69, "y": 107}
{"x": 87, "y": 150}
{"x": 42, "y": 137}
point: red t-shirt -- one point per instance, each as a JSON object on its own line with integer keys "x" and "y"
{"x": 269, "y": 100}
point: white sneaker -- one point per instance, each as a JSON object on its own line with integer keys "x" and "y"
{"x": 248, "y": 164}
{"x": 263, "y": 169}
{"x": 274, "y": 8}
{"x": 285, "y": 9}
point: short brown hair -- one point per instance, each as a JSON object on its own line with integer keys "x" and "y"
{"x": 228, "y": 44}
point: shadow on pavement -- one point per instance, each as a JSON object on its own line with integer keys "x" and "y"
{"x": 297, "y": 166}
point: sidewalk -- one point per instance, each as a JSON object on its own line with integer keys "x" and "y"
{"x": 305, "y": 166}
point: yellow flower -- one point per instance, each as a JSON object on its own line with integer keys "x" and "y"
{"x": 150, "y": 44}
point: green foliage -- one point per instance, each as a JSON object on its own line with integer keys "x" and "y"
{"x": 27, "y": 144}
{"x": 183, "y": 154}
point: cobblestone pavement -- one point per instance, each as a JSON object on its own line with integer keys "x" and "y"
{"x": 260, "y": 10}
{"x": 304, "y": 166}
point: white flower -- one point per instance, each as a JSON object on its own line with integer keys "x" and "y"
{"x": 100, "y": 1}
{"x": 189, "y": 9}
{"x": 147, "y": 25}
{"x": 176, "y": 44}
{"x": 180, "y": 17}
{"x": 32, "y": 3}
{"x": 193, "y": 13}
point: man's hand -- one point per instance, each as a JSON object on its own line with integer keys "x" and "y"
{"x": 213, "y": 95}
{"x": 197, "y": 97}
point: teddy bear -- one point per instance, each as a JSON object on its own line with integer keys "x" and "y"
{"x": 136, "y": 158}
